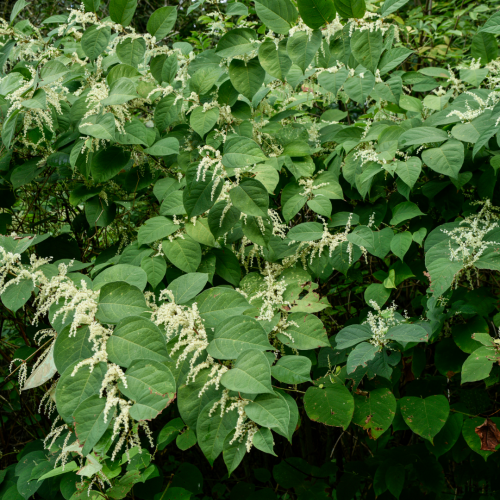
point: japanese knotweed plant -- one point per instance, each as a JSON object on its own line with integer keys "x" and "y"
{"x": 175, "y": 221}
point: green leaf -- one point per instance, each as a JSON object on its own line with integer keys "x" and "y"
{"x": 409, "y": 170}
{"x": 404, "y": 211}
{"x": 407, "y": 332}
{"x": 484, "y": 46}
{"x": 18, "y": 7}
{"x": 250, "y": 197}
{"x": 188, "y": 286}
{"x": 277, "y": 15}
{"x": 275, "y": 62}
{"x": 236, "y": 42}
{"x": 317, "y": 13}
{"x": 235, "y": 335}
{"x": 292, "y": 369}
{"x": 246, "y": 77}
{"x": 271, "y": 411}
{"x": 89, "y": 422}
{"x": 155, "y": 268}
{"x": 331, "y": 406}
{"x": 359, "y": 86}
{"x": 302, "y": 47}
{"x": 352, "y": 335}
{"x": 131, "y": 51}
{"x": 332, "y": 82}
{"x": 166, "y": 111}
{"x": 350, "y": 8}
{"x": 122, "y": 11}
{"x": 71, "y": 391}
{"x": 447, "y": 436}
{"x": 136, "y": 338}
{"x": 201, "y": 195}
{"x": 219, "y": 303}
{"x": 251, "y": 373}
{"x": 478, "y": 365}
{"x": 239, "y": 152}
{"x": 376, "y": 412}
{"x": 422, "y": 135}
{"x": 120, "y": 300}
{"x": 492, "y": 25}
{"x": 151, "y": 385}
{"x": 390, "y": 6}
{"x": 447, "y": 159}
{"x": 69, "y": 350}
{"x": 101, "y": 127}
{"x": 233, "y": 453}
{"x": 183, "y": 253}
{"x": 186, "y": 440}
{"x": 94, "y": 41}
{"x": 190, "y": 403}
{"x": 307, "y": 231}
{"x": 164, "y": 147}
{"x": 203, "y": 121}
{"x": 366, "y": 47}
{"x": 361, "y": 355}
{"x": 107, "y": 163}
{"x": 132, "y": 275}
{"x": 426, "y": 417}
{"x": 161, "y": 22}
{"x": 155, "y": 229}
{"x": 263, "y": 440}
{"x": 401, "y": 243}
{"x": 15, "y": 296}
{"x": 308, "y": 334}
{"x": 212, "y": 430}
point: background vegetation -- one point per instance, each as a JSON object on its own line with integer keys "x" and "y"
{"x": 361, "y": 178}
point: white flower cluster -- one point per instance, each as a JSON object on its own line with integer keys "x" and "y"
{"x": 380, "y": 322}
{"x": 467, "y": 242}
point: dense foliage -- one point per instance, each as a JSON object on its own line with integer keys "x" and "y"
{"x": 259, "y": 264}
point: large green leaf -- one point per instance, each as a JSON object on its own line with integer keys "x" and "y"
{"x": 251, "y": 197}
{"x": 277, "y": 15}
{"x": 161, "y": 22}
{"x": 151, "y": 386}
{"x": 94, "y": 41}
{"x": 302, "y": 47}
{"x": 239, "y": 152}
{"x": 120, "y": 300}
{"x": 331, "y": 406}
{"x": 304, "y": 332}
{"x": 71, "y": 390}
{"x": 188, "y": 286}
{"x": 292, "y": 369}
{"x": 236, "y": 335}
{"x": 131, "y": 51}
{"x": 220, "y": 303}
{"x": 376, "y": 412}
{"x": 270, "y": 410}
{"x": 122, "y": 11}
{"x": 478, "y": 365}
{"x": 352, "y": 335}
{"x": 426, "y": 417}
{"x": 236, "y": 42}
{"x": 246, "y": 77}
{"x": 108, "y": 162}
{"x": 184, "y": 253}
{"x": 89, "y": 422}
{"x": 155, "y": 229}
{"x": 15, "y": 296}
{"x": 359, "y": 86}
{"x": 275, "y": 62}
{"x": 350, "y": 8}
{"x": 366, "y": 47}
{"x": 69, "y": 350}
{"x": 251, "y": 374}
{"x": 136, "y": 338}
{"x": 203, "y": 121}
{"x": 361, "y": 355}
{"x": 212, "y": 430}
{"x": 132, "y": 275}
{"x": 447, "y": 159}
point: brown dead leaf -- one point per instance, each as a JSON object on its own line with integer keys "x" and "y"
{"x": 489, "y": 435}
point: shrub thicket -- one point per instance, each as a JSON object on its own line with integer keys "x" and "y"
{"x": 277, "y": 245}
